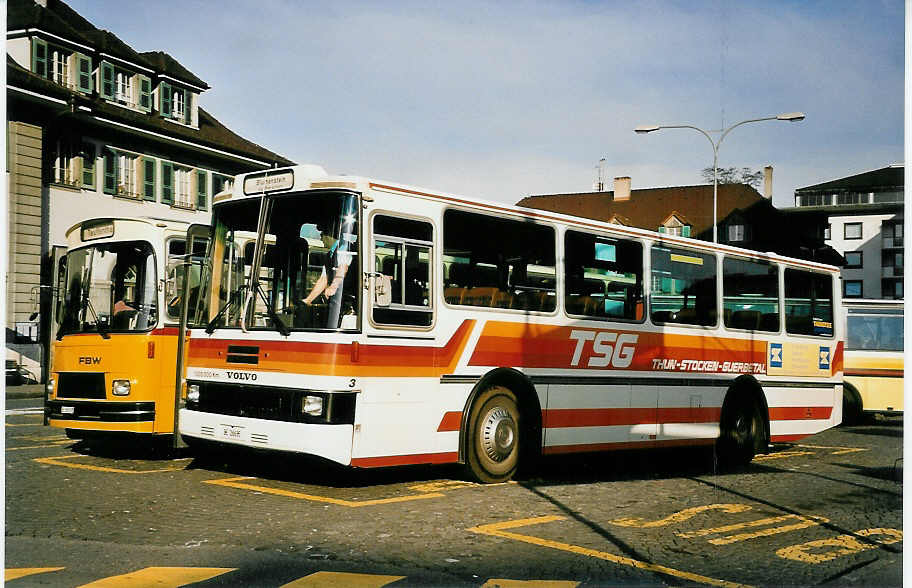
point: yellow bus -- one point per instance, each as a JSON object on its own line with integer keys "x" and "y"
{"x": 115, "y": 348}
{"x": 377, "y": 324}
{"x": 873, "y": 359}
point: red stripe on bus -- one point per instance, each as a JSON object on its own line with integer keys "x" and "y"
{"x": 786, "y": 438}
{"x": 592, "y": 447}
{"x": 797, "y": 413}
{"x": 166, "y": 331}
{"x": 399, "y": 460}
{"x": 451, "y": 421}
{"x": 606, "y": 417}
{"x": 838, "y": 362}
{"x": 875, "y": 373}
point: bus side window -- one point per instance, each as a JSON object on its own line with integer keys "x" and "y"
{"x": 808, "y": 303}
{"x": 493, "y": 262}
{"x": 683, "y": 287}
{"x": 750, "y": 294}
{"x": 603, "y": 277}
{"x": 403, "y": 251}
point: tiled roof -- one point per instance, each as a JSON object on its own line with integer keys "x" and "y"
{"x": 164, "y": 63}
{"x": 58, "y": 18}
{"x": 649, "y": 208}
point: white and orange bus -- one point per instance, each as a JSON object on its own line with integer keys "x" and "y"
{"x": 115, "y": 349}
{"x": 377, "y": 324}
{"x": 873, "y": 359}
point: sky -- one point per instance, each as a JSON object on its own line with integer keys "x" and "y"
{"x": 500, "y": 100}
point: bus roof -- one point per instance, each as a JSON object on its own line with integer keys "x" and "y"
{"x": 313, "y": 177}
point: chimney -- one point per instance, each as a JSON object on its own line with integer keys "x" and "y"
{"x": 768, "y": 182}
{"x": 622, "y": 188}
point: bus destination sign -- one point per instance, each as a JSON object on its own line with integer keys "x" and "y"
{"x": 97, "y": 231}
{"x": 268, "y": 183}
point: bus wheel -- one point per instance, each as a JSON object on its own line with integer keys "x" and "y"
{"x": 851, "y": 406}
{"x": 492, "y": 449}
{"x": 741, "y": 432}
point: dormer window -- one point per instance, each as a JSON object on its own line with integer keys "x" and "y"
{"x": 62, "y": 66}
{"x": 175, "y": 103}
{"x": 123, "y": 88}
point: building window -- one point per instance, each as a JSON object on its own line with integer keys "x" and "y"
{"x": 852, "y": 289}
{"x": 852, "y": 231}
{"x": 64, "y": 168}
{"x": 221, "y": 184}
{"x": 177, "y": 104}
{"x": 737, "y": 233}
{"x": 827, "y": 232}
{"x": 123, "y": 88}
{"x": 853, "y": 259}
{"x": 60, "y": 70}
{"x": 183, "y": 197}
{"x": 121, "y": 175}
{"x": 87, "y": 153}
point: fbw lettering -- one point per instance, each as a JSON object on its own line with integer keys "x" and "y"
{"x": 89, "y": 360}
{"x": 604, "y": 348}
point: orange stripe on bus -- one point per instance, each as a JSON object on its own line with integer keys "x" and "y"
{"x": 451, "y": 421}
{"x": 796, "y": 413}
{"x": 399, "y": 460}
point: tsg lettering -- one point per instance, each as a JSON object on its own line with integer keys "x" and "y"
{"x": 608, "y": 348}
{"x": 242, "y": 376}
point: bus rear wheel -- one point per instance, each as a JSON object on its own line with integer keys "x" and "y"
{"x": 741, "y": 432}
{"x": 493, "y": 436}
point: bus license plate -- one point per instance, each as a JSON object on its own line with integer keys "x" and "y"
{"x": 234, "y": 433}
{"x": 67, "y": 410}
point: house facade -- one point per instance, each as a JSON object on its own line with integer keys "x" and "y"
{"x": 864, "y": 222}
{"x": 746, "y": 218}
{"x": 94, "y": 129}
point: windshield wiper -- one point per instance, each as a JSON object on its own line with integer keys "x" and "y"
{"x": 210, "y": 326}
{"x": 103, "y": 331}
{"x": 279, "y": 324}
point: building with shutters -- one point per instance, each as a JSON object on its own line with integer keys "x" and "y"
{"x": 94, "y": 129}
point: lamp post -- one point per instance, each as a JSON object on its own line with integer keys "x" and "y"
{"x": 789, "y": 116}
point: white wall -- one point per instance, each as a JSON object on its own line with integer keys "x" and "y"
{"x": 20, "y": 50}
{"x": 870, "y": 244}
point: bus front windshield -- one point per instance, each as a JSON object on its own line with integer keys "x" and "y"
{"x": 308, "y": 264}
{"x": 110, "y": 287}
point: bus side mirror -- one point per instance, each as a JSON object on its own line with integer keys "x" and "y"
{"x": 383, "y": 292}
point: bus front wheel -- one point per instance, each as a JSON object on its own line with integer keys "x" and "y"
{"x": 741, "y": 432}
{"x": 493, "y": 440}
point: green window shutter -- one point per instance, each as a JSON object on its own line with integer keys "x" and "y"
{"x": 661, "y": 229}
{"x": 39, "y": 57}
{"x": 164, "y": 99}
{"x": 145, "y": 93}
{"x": 107, "y": 80}
{"x": 110, "y": 172}
{"x": 188, "y": 111}
{"x": 167, "y": 182}
{"x": 202, "y": 194}
{"x": 88, "y": 165}
{"x": 148, "y": 179}
{"x": 84, "y": 73}
{"x": 685, "y": 231}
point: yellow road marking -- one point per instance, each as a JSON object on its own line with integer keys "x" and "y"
{"x": 444, "y": 485}
{"x": 498, "y": 583}
{"x": 16, "y": 573}
{"x": 804, "y": 522}
{"x": 159, "y": 577}
{"x": 235, "y": 483}
{"x": 81, "y": 466}
{"x": 500, "y": 530}
{"x": 342, "y": 580}
{"x": 844, "y": 544}
{"x": 844, "y": 449}
{"x": 56, "y": 444}
{"x": 781, "y": 455}
{"x": 679, "y": 516}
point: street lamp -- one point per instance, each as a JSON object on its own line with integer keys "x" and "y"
{"x": 789, "y": 116}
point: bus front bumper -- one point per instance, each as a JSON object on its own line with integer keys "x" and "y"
{"x": 132, "y": 417}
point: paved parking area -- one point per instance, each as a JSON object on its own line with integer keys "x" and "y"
{"x": 827, "y": 510}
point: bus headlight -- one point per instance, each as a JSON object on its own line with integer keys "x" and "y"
{"x": 120, "y": 387}
{"x": 193, "y": 393}
{"x": 312, "y": 405}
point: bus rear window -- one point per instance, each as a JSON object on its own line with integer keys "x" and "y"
{"x": 808, "y": 303}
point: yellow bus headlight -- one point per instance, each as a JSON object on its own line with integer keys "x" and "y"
{"x": 120, "y": 387}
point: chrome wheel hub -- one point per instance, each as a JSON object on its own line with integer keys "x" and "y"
{"x": 498, "y": 436}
